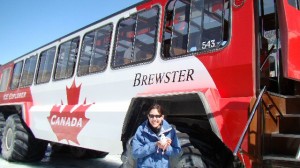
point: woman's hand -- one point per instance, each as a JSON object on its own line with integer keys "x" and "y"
{"x": 164, "y": 144}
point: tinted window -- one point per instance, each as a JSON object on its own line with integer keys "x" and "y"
{"x": 16, "y": 75}
{"x": 45, "y": 65}
{"x": 95, "y": 51}
{"x": 66, "y": 60}
{"x": 195, "y": 25}
{"x": 136, "y": 38}
{"x": 28, "y": 71}
{"x": 294, "y": 3}
{"x": 4, "y": 78}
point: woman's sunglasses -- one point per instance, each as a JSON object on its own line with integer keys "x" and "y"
{"x": 156, "y": 116}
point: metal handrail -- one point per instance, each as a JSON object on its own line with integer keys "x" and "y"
{"x": 259, "y": 98}
{"x": 276, "y": 107}
{"x": 267, "y": 57}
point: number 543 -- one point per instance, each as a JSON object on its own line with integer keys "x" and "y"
{"x": 208, "y": 44}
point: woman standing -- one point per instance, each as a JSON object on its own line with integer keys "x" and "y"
{"x": 155, "y": 141}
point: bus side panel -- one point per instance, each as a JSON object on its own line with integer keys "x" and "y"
{"x": 233, "y": 67}
{"x": 233, "y": 71}
{"x": 289, "y": 18}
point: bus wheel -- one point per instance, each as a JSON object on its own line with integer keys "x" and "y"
{"x": 190, "y": 156}
{"x": 2, "y": 124}
{"x": 127, "y": 158}
{"x": 18, "y": 142}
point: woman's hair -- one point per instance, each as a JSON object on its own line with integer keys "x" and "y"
{"x": 158, "y": 108}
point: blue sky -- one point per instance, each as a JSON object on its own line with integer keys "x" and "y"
{"x": 28, "y": 24}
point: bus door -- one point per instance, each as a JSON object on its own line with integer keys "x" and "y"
{"x": 269, "y": 45}
{"x": 289, "y": 25}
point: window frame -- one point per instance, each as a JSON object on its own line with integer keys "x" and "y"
{"x": 28, "y": 74}
{"x": 58, "y": 57}
{"x": 2, "y": 78}
{"x": 155, "y": 39}
{"x": 226, "y": 17}
{"x": 19, "y": 78}
{"x": 108, "y": 51}
{"x": 39, "y": 64}
{"x": 295, "y": 4}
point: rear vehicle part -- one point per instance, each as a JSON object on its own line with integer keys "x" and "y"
{"x": 19, "y": 144}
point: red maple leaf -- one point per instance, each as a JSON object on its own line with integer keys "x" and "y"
{"x": 73, "y": 94}
{"x": 68, "y": 122}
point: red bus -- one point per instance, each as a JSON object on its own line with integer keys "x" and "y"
{"x": 225, "y": 71}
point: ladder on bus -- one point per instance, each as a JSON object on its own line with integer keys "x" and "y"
{"x": 281, "y": 131}
{"x": 281, "y": 139}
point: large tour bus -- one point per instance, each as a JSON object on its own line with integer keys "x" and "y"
{"x": 226, "y": 72}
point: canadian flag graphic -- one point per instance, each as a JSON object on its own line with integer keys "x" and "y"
{"x": 67, "y": 120}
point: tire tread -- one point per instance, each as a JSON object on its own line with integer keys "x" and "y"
{"x": 25, "y": 146}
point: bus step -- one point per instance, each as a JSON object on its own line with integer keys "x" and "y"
{"x": 280, "y": 161}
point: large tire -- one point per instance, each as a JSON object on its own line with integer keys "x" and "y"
{"x": 202, "y": 150}
{"x": 195, "y": 154}
{"x": 2, "y": 125}
{"x": 127, "y": 158}
{"x": 18, "y": 142}
{"x": 190, "y": 156}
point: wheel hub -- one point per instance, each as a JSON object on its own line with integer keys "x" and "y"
{"x": 9, "y": 138}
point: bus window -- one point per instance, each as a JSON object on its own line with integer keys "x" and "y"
{"x": 28, "y": 71}
{"x": 146, "y": 35}
{"x": 136, "y": 38}
{"x": 16, "y": 75}
{"x": 195, "y": 25}
{"x": 294, "y": 3}
{"x": 66, "y": 60}
{"x": 124, "y": 41}
{"x": 4, "y": 78}
{"x": 95, "y": 51}
{"x": 45, "y": 65}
